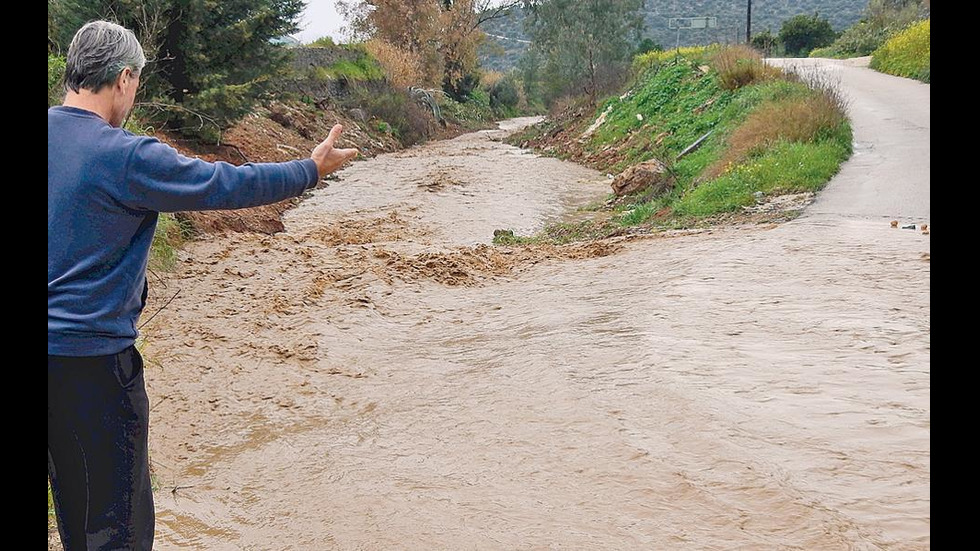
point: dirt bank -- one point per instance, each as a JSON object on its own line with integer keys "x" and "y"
{"x": 282, "y": 132}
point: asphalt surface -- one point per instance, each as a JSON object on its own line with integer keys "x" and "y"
{"x": 888, "y": 175}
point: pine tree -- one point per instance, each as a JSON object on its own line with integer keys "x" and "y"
{"x": 208, "y": 61}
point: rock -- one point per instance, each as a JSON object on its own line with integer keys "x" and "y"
{"x": 358, "y": 115}
{"x": 652, "y": 175}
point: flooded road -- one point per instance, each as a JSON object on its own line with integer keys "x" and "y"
{"x": 378, "y": 377}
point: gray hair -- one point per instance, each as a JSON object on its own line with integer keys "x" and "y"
{"x": 100, "y": 51}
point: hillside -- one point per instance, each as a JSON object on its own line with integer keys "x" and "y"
{"x": 691, "y": 144}
{"x": 507, "y": 40}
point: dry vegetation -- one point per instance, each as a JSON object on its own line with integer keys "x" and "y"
{"x": 741, "y": 65}
{"x": 800, "y": 119}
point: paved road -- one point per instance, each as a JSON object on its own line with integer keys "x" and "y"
{"x": 888, "y": 176}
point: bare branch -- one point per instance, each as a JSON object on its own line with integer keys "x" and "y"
{"x": 486, "y": 13}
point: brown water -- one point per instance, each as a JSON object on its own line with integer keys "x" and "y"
{"x": 360, "y": 381}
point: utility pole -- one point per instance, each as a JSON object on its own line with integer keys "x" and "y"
{"x": 748, "y": 24}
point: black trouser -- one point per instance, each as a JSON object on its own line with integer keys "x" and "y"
{"x": 98, "y": 416}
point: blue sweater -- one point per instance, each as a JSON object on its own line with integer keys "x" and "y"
{"x": 105, "y": 188}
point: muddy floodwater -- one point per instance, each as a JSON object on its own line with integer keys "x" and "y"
{"x": 379, "y": 376}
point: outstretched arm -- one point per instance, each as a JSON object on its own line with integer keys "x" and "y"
{"x": 160, "y": 179}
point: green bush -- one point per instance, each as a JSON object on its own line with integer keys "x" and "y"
{"x": 322, "y": 42}
{"x": 170, "y": 235}
{"x": 407, "y": 120}
{"x": 824, "y": 52}
{"x": 803, "y": 33}
{"x": 906, "y": 54}
{"x": 480, "y": 97}
{"x": 204, "y": 114}
{"x": 860, "y": 39}
{"x": 881, "y": 20}
{"x": 56, "y": 72}
{"x": 473, "y": 114}
{"x": 765, "y": 42}
{"x": 648, "y": 45}
{"x": 505, "y": 94}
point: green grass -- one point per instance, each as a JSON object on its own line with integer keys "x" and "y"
{"x": 639, "y": 214}
{"x": 655, "y": 58}
{"x": 665, "y": 101}
{"x": 679, "y": 102}
{"x": 787, "y": 167}
{"x": 907, "y": 54}
{"x": 362, "y": 69}
{"x": 170, "y": 235}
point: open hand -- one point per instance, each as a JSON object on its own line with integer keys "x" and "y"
{"x": 328, "y": 158}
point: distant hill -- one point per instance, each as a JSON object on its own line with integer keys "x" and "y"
{"x": 507, "y": 40}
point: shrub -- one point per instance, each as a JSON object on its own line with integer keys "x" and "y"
{"x": 655, "y": 58}
{"x": 765, "y": 42}
{"x": 480, "y": 97}
{"x": 505, "y": 94}
{"x": 881, "y": 20}
{"x": 808, "y": 118}
{"x": 490, "y": 78}
{"x": 860, "y": 39}
{"x": 322, "y": 42}
{"x": 465, "y": 87}
{"x": 803, "y": 33}
{"x": 206, "y": 113}
{"x": 170, "y": 235}
{"x": 409, "y": 123}
{"x": 829, "y": 51}
{"x": 56, "y": 72}
{"x": 364, "y": 68}
{"x": 401, "y": 68}
{"x": 648, "y": 45}
{"x": 906, "y": 54}
{"x": 741, "y": 65}
{"x": 469, "y": 114}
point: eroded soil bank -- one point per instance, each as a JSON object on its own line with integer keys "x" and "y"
{"x": 378, "y": 377}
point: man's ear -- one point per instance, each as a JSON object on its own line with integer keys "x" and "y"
{"x": 124, "y": 76}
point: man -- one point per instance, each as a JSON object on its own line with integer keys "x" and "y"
{"x": 105, "y": 188}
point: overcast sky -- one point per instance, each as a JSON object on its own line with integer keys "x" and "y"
{"x": 319, "y": 19}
